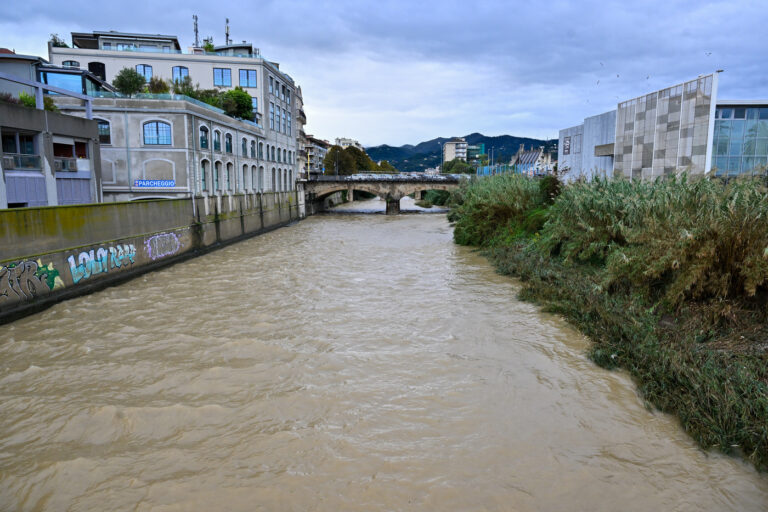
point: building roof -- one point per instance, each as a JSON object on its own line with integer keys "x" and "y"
{"x": 742, "y": 103}
{"x": 16, "y": 56}
{"x": 90, "y": 39}
{"x": 528, "y": 157}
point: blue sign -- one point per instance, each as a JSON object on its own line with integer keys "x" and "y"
{"x": 155, "y": 183}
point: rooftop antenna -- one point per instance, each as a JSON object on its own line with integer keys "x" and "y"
{"x": 226, "y": 33}
{"x": 197, "y": 39}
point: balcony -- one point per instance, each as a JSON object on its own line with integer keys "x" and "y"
{"x": 24, "y": 162}
{"x": 65, "y": 164}
{"x": 302, "y": 117}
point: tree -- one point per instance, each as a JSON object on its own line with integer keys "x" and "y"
{"x": 337, "y": 158}
{"x": 57, "y": 42}
{"x": 208, "y": 45}
{"x": 387, "y": 167}
{"x": 158, "y": 86}
{"x": 184, "y": 86}
{"x": 457, "y": 166}
{"x": 129, "y": 81}
{"x": 362, "y": 161}
{"x": 238, "y": 103}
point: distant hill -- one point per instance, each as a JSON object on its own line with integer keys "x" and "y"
{"x": 409, "y": 158}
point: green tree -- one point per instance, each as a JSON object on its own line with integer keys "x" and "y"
{"x": 186, "y": 87}
{"x": 129, "y": 81}
{"x": 208, "y": 45}
{"x": 57, "y": 42}
{"x": 387, "y": 167}
{"x": 238, "y": 103}
{"x": 457, "y": 166}
{"x": 362, "y": 161}
{"x": 158, "y": 86}
{"x": 338, "y": 158}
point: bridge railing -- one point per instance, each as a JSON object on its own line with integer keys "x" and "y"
{"x": 416, "y": 176}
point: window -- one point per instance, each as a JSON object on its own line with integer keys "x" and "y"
{"x": 69, "y": 81}
{"x": 145, "y": 70}
{"x": 228, "y": 143}
{"x": 277, "y": 118}
{"x": 255, "y": 104}
{"x": 278, "y": 154}
{"x": 253, "y": 149}
{"x": 222, "y": 77}
{"x": 70, "y": 64}
{"x": 247, "y": 78}
{"x": 104, "y": 132}
{"x": 261, "y": 150}
{"x": 285, "y": 156}
{"x": 271, "y": 82}
{"x": 202, "y": 174}
{"x": 106, "y": 46}
{"x": 216, "y": 173}
{"x": 244, "y": 147}
{"x": 217, "y": 140}
{"x": 157, "y": 133}
{"x": 203, "y": 137}
{"x": 229, "y": 177}
{"x": 271, "y": 116}
{"x": 282, "y": 92}
{"x": 273, "y": 153}
{"x": 283, "y": 125}
{"x": 288, "y": 131}
{"x": 179, "y": 72}
{"x": 288, "y": 96}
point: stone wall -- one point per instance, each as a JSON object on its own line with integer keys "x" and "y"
{"x": 53, "y": 253}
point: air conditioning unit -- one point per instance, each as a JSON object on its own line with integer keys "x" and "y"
{"x": 8, "y": 162}
{"x": 57, "y": 165}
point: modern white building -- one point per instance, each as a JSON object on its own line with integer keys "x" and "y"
{"x": 345, "y": 143}
{"x": 456, "y": 148}
{"x": 229, "y": 66}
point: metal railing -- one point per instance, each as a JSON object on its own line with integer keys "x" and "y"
{"x": 19, "y": 161}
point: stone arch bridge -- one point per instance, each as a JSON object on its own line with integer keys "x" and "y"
{"x": 390, "y": 187}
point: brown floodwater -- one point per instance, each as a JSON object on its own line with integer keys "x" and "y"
{"x": 348, "y": 362}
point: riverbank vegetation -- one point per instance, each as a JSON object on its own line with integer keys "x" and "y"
{"x": 668, "y": 278}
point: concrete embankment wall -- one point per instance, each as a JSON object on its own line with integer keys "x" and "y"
{"x": 53, "y": 253}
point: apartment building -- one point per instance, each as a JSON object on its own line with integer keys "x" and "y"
{"x": 455, "y": 148}
{"x": 345, "y": 143}
{"x": 273, "y": 91}
{"x": 316, "y": 151}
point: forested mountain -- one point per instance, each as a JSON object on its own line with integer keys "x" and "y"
{"x": 409, "y": 158}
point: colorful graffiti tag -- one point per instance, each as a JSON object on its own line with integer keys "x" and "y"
{"x": 101, "y": 260}
{"x": 26, "y": 280}
{"x": 162, "y": 245}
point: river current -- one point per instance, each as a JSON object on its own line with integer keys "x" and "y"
{"x": 347, "y": 362}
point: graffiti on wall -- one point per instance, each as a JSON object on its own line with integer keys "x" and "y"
{"x": 25, "y": 280}
{"x": 101, "y": 260}
{"x": 162, "y": 245}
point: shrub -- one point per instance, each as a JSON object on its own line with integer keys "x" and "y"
{"x": 158, "y": 86}
{"x": 129, "y": 81}
{"x": 185, "y": 87}
{"x": 29, "y": 101}
{"x": 7, "y": 97}
{"x": 238, "y": 103}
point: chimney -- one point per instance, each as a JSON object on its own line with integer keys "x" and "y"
{"x": 522, "y": 148}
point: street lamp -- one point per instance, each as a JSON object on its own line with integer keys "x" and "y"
{"x": 442, "y": 156}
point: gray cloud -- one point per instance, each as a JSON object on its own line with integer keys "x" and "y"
{"x": 397, "y": 72}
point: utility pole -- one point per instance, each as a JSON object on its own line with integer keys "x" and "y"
{"x": 197, "y": 39}
{"x": 226, "y": 32}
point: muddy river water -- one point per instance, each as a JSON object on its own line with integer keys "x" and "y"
{"x": 348, "y": 362}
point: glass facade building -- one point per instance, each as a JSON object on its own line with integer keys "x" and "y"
{"x": 740, "y": 144}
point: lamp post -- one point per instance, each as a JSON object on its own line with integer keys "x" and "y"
{"x": 442, "y": 156}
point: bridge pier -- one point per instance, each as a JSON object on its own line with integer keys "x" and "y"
{"x": 393, "y": 206}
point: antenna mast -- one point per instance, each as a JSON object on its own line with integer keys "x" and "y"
{"x": 197, "y": 39}
{"x": 226, "y": 33}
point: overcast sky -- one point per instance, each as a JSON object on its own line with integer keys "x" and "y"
{"x": 397, "y": 72}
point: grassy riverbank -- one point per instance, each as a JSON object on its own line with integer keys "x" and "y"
{"x": 669, "y": 279}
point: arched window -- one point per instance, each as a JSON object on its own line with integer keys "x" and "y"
{"x": 278, "y": 154}
{"x": 285, "y": 156}
{"x": 261, "y": 150}
{"x": 229, "y": 185}
{"x": 70, "y": 64}
{"x": 253, "y": 149}
{"x": 216, "y": 176}
{"x": 273, "y": 180}
{"x": 228, "y": 143}
{"x": 254, "y": 178}
{"x": 105, "y": 134}
{"x": 244, "y": 147}
{"x": 273, "y": 153}
{"x": 144, "y": 70}
{"x": 203, "y": 137}
{"x": 290, "y": 180}
{"x": 261, "y": 179}
{"x": 157, "y": 133}
{"x": 179, "y": 72}
{"x": 216, "y": 140}
{"x": 243, "y": 177}
{"x": 290, "y": 157}
{"x": 203, "y": 172}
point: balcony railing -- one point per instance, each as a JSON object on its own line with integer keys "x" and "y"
{"x": 18, "y": 161}
{"x": 65, "y": 164}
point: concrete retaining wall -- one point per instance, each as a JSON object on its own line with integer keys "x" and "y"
{"x": 50, "y": 254}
